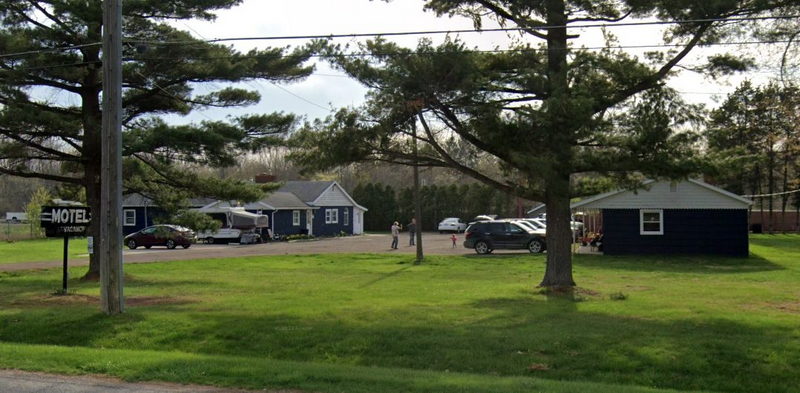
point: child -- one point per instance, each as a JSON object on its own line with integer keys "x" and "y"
{"x": 454, "y": 239}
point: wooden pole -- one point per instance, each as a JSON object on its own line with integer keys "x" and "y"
{"x": 110, "y": 242}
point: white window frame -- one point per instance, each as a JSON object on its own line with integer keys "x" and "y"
{"x": 346, "y": 217}
{"x": 660, "y": 231}
{"x": 331, "y": 216}
{"x": 125, "y": 217}
{"x": 296, "y": 218}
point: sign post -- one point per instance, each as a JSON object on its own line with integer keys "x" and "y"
{"x": 65, "y": 221}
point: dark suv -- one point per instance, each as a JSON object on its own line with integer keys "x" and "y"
{"x": 487, "y": 236}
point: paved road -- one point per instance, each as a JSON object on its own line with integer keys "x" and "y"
{"x": 12, "y": 381}
{"x": 433, "y": 244}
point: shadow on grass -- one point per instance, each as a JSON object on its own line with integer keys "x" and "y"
{"x": 521, "y": 336}
{"x": 384, "y": 277}
{"x": 679, "y": 264}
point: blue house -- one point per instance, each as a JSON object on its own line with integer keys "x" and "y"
{"x": 687, "y": 217}
{"x": 139, "y": 211}
{"x": 334, "y": 210}
{"x": 319, "y": 208}
{"x": 287, "y": 214}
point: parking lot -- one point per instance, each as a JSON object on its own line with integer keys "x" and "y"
{"x": 433, "y": 244}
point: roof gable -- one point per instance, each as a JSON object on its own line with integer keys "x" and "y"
{"x": 687, "y": 194}
{"x": 320, "y": 193}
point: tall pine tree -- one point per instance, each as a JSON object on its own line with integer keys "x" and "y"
{"x": 50, "y": 105}
{"x": 546, "y": 111}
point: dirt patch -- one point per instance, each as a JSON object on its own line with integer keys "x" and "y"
{"x": 786, "y": 307}
{"x": 789, "y": 307}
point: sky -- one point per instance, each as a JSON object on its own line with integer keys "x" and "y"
{"x": 327, "y": 89}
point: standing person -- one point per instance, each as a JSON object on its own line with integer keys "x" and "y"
{"x": 412, "y": 231}
{"x": 395, "y": 234}
{"x": 454, "y": 238}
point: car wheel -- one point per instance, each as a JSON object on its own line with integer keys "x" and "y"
{"x": 210, "y": 240}
{"x": 171, "y": 244}
{"x": 536, "y": 246}
{"x": 187, "y": 245}
{"x": 132, "y": 244}
{"x": 482, "y": 248}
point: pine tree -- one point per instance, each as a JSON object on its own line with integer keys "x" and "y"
{"x": 51, "y": 48}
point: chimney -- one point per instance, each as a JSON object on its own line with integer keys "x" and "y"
{"x": 262, "y": 178}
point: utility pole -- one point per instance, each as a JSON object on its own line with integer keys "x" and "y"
{"x": 110, "y": 242}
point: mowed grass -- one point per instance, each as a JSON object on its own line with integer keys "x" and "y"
{"x": 49, "y": 249}
{"x": 378, "y": 323}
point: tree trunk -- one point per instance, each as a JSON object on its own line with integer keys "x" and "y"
{"x": 558, "y": 274}
{"x": 92, "y": 118}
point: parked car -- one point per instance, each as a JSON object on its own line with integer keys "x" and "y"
{"x": 487, "y": 236}
{"x": 223, "y": 235}
{"x": 452, "y": 224}
{"x": 482, "y": 217}
{"x": 529, "y": 225}
{"x": 170, "y": 236}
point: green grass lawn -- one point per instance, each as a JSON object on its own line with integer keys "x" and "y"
{"x": 378, "y": 323}
{"x": 50, "y": 249}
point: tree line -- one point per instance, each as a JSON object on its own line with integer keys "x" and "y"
{"x": 387, "y": 204}
{"x": 754, "y": 137}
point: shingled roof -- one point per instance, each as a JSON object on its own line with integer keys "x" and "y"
{"x": 307, "y": 191}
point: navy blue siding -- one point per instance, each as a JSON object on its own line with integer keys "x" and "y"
{"x": 283, "y": 222}
{"x": 686, "y": 231}
{"x": 323, "y": 229}
{"x": 152, "y": 214}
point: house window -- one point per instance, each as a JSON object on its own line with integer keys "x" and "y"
{"x": 331, "y": 216}
{"x": 129, "y": 217}
{"x": 346, "y": 217}
{"x": 296, "y": 218}
{"x": 651, "y": 222}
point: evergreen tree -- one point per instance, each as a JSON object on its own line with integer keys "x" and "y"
{"x": 547, "y": 114}
{"x": 54, "y": 46}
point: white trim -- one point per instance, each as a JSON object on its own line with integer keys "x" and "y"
{"x": 331, "y": 216}
{"x": 660, "y": 221}
{"x": 125, "y": 217}
{"x": 295, "y": 218}
{"x": 346, "y": 218}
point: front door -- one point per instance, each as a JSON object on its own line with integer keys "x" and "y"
{"x": 310, "y": 221}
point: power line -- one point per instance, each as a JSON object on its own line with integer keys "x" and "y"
{"x": 405, "y": 33}
{"x": 460, "y": 31}
{"x": 364, "y": 54}
{"x": 771, "y": 195}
